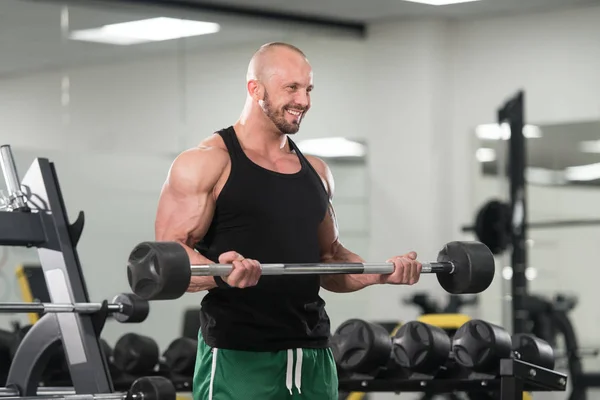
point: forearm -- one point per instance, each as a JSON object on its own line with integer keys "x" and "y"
{"x": 345, "y": 283}
{"x": 199, "y": 283}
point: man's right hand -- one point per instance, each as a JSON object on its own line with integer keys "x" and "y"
{"x": 245, "y": 272}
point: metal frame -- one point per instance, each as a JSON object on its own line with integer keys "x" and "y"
{"x": 46, "y": 227}
{"x": 513, "y": 379}
{"x": 513, "y": 113}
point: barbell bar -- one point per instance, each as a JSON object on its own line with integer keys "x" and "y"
{"x": 311, "y": 269}
{"x": 144, "y": 388}
{"x": 162, "y": 270}
{"x": 125, "y": 308}
{"x": 42, "y": 391}
{"x": 79, "y": 308}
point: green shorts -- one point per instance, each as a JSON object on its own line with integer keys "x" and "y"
{"x": 222, "y": 374}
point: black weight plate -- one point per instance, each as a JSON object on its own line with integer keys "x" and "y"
{"x": 421, "y": 347}
{"x": 361, "y": 347}
{"x": 153, "y": 388}
{"x": 475, "y": 267}
{"x": 492, "y": 226}
{"x": 134, "y": 308}
{"x": 480, "y": 345}
{"x": 180, "y": 356}
{"x": 159, "y": 270}
{"x": 533, "y": 350}
{"x": 135, "y": 354}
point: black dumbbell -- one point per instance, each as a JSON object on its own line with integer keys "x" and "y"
{"x": 361, "y": 347}
{"x": 135, "y": 354}
{"x": 180, "y": 357}
{"x": 480, "y": 345}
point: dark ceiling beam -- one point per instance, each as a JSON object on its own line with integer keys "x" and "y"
{"x": 352, "y": 27}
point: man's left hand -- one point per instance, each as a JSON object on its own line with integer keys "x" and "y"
{"x": 407, "y": 270}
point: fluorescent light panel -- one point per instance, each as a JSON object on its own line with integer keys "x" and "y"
{"x": 589, "y": 146}
{"x": 485, "y": 154}
{"x": 147, "y": 30}
{"x": 497, "y": 132}
{"x": 332, "y": 147}
{"x": 441, "y": 2}
{"x": 589, "y": 172}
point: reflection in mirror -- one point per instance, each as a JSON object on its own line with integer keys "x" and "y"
{"x": 565, "y": 154}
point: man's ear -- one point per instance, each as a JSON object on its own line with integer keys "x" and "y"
{"x": 255, "y": 89}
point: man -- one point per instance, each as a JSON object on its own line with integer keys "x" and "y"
{"x": 246, "y": 195}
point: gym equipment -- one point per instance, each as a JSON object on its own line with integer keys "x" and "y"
{"x": 125, "y": 308}
{"x": 532, "y": 349}
{"x": 361, "y": 347}
{"x": 162, "y": 270}
{"x": 366, "y": 348}
{"x": 32, "y": 283}
{"x": 34, "y": 214}
{"x": 418, "y": 358}
{"x": 180, "y": 356}
{"x": 16, "y": 199}
{"x": 428, "y": 305}
{"x": 135, "y": 354}
{"x": 480, "y": 345}
{"x": 421, "y": 347}
{"x": 493, "y": 225}
{"x": 145, "y": 388}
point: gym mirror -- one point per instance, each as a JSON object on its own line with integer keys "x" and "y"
{"x": 566, "y": 154}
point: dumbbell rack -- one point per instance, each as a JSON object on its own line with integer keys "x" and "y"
{"x": 514, "y": 378}
{"x": 43, "y": 223}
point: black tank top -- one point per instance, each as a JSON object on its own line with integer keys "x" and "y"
{"x": 271, "y": 217}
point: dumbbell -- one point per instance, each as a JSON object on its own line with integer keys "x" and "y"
{"x": 180, "y": 357}
{"x": 162, "y": 270}
{"x": 480, "y": 345}
{"x": 365, "y": 348}
{"x": 135, "y": 354}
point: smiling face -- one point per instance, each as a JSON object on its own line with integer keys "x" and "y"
{"x": 283, "y": 88}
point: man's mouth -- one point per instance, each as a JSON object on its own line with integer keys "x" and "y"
{"x": 295, "y": 113}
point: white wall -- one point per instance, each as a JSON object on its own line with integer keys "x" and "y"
{"x": 114, "y": 142}
{"x": 557, "y": 68}
{"x": 414, "y": 90}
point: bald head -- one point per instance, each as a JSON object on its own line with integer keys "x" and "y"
{"x": 279, "y": 81}
{"x": 273, "y": 56}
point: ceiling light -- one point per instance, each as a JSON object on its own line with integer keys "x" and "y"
{"x": 531, "y": 273}
{"x": 440, "y": 2}
{"x": 332, "y": 147}
{"x": 589, "y": 146}
{"x": 485, "y": 154}
{"x": 507, "y": 273}
{"x": 589, "y": 172}
{"x": 544, "y": 176}
{"x": 496, "y": 132}
{"x": 148, "y": 30}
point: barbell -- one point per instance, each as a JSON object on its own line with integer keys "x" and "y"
{"x": 125, "y": 308}
{"x": 144, "y": 388}
{"x": 162, "y": 270}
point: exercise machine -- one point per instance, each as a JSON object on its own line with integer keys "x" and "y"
{"x": 34, "y": 215}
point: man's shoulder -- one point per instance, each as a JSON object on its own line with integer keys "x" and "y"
{"x": 323, "y": 170}
{"x": 211, "y": 153}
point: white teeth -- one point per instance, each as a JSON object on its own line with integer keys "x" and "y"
{"x": 296, "y": 113}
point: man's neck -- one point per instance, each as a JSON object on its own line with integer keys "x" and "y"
{"x": 261, "y": 136}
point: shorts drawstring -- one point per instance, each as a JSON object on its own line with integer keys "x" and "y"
{"x": 289, "y": 381}
{"x": 288, "y": 375}
{"x": 299, "y": 369}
